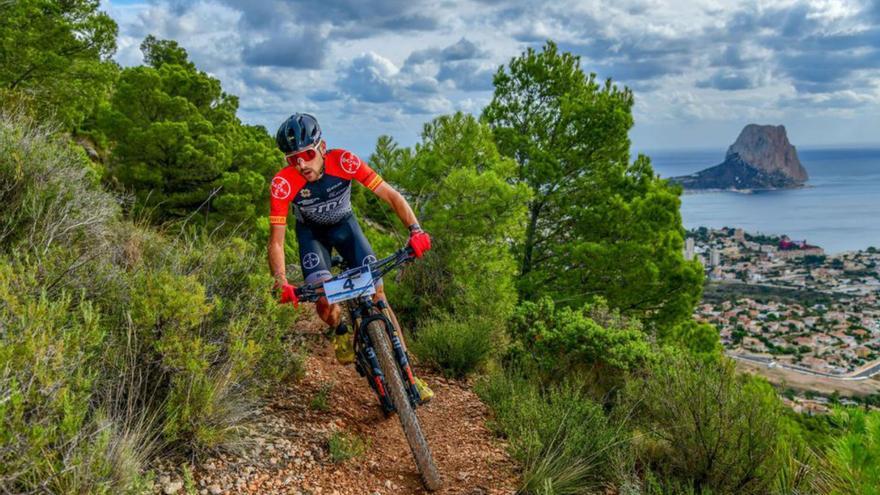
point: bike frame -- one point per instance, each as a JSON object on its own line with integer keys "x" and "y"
{"x": 364, "y": 311}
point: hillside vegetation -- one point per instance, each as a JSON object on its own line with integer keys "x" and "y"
{"x": 137, "y": 322}
{"x": 120, "y": 341}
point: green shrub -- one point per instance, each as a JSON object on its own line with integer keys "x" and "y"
{"x": 57, "y": 432}
{"x": 160, "y": 361}
{"x": 49, "y": 192}
{"x": 798, "y": 469}
{"x": 854, "y": 457}
{"x": 657, "y": 486}
{"x": 297, "y": 366}
{"x": 345, "y": 445}
{"x": 829, "y": 454}
{"x": 52, "y": 438}
{"x": 563, "y": 439}
{"x": 593, "y": 341}
{"x": 455, "y": 346}
{"x": 698, "y": 338}
{"x": 118, "y": 341}
{"x": 705, "y": 426}
{"x": 215, "y": 335}
{"x": 321, "y": 400}
{"x": 461, "y": 190}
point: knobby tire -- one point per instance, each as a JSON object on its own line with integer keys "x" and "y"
{"x": 408, "y": 420}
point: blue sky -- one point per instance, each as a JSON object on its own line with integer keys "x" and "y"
{"x": 700, "y": 69}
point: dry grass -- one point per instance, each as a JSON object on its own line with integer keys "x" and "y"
{"x": 48, "y": 191}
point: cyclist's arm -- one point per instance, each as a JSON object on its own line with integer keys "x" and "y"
{"x": 276, "y": 254}
{"x": 282, "y": 189}
{"x": 398, "y": 203}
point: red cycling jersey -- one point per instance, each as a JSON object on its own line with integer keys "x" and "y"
{"x": 325, "y": 201}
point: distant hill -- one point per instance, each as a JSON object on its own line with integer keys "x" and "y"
{"x": 761, "y": 158}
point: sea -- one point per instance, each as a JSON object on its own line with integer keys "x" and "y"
{"x": 838, "y": 210}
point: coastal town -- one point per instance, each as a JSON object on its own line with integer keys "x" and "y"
{"x": 780, "y": 302}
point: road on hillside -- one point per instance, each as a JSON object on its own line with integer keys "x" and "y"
{"x": 862, "y": 375}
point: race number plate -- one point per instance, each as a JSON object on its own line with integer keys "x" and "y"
{"x": 349, "y": 284}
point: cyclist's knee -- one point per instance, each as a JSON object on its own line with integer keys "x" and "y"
{"x": 329, "y": 313}
{"x": 380, "y": 293}
{"x": 318, "y": 277}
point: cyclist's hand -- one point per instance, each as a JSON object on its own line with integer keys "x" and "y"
{"x": 288, "y": 295}
{"x": 420, "y": 242}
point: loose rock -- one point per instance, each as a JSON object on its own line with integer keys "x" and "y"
{"x": 172, "y": 487}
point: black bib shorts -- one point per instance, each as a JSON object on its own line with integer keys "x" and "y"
{"x": 317, "y": 241}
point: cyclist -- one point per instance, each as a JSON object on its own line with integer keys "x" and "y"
{"x": 317, "y": 181}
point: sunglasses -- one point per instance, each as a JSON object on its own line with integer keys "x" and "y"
{"x": 306, "y": 155}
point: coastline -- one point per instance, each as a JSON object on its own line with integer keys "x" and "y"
{"x": 686, "y": 192}
{"x": 784, "y": 307}
{"x": 867, "y": 250}
{"x": 835, "y": 209}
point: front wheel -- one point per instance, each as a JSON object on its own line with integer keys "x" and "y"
{"x": 408, "y": 420}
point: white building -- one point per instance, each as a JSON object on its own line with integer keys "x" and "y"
{"x": 689, "y": 248}
{"x": 714, "y": 257}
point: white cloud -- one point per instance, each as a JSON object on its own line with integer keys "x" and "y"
{"x": 388, "y": 66}
{"x": 369, "y": 77}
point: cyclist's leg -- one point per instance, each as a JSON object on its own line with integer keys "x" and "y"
{"x": 348, "y": 238}
{"x": 314, "y": 259}
{"x": 354, "y": 247}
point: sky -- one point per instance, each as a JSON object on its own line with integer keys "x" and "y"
{"x": 700, "y": 70}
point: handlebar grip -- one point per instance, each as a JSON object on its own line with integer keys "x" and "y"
{"x": 306, "y": 293}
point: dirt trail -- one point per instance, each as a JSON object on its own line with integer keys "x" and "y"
{"x": 291, "y": 455}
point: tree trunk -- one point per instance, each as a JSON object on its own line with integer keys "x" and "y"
{"x": 529, "y": 244}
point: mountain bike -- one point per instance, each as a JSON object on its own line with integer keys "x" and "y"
{"x": 379, "y": 354}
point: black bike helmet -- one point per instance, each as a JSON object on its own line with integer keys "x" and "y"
{"x": 297, "y": 132}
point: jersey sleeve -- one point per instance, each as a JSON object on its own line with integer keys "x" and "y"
{"x": 368, "y": 177}
{"x": 281, "y": 192}
{"x": 357, "y": 169}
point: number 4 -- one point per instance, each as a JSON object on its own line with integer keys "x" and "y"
{"x": 349, "y": 284}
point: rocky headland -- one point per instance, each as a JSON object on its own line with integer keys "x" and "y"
{"x": 761, "y": 158}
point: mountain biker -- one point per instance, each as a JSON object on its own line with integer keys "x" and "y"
{"x": 317, "y": 181}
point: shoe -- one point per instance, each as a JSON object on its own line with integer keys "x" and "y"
{"x": 343, "y": 345}
{"x": 425, "y": 393}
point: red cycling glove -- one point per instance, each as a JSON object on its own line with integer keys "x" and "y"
{"x": 420, "y": 242}
{"x": 288, "y": 295}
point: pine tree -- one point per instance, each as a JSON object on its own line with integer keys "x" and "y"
{"x": 598, "y": 224}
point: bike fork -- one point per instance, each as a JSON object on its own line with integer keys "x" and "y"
{"x": 402, "y": 358}
{"x": 370, "y": 366}
{"x": 367, "y": 365}
{"x": 403, "y": 363}
{"x": 378, "y": 380}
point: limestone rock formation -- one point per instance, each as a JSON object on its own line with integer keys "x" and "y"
{"x": 761, "y": 158}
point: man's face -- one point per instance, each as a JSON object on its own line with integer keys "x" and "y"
{"x": 310, "y": 169}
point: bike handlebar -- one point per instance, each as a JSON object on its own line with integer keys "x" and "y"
{"x": 313, "y": 292}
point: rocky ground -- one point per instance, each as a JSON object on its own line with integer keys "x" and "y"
{"x": 290, "y": 441}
